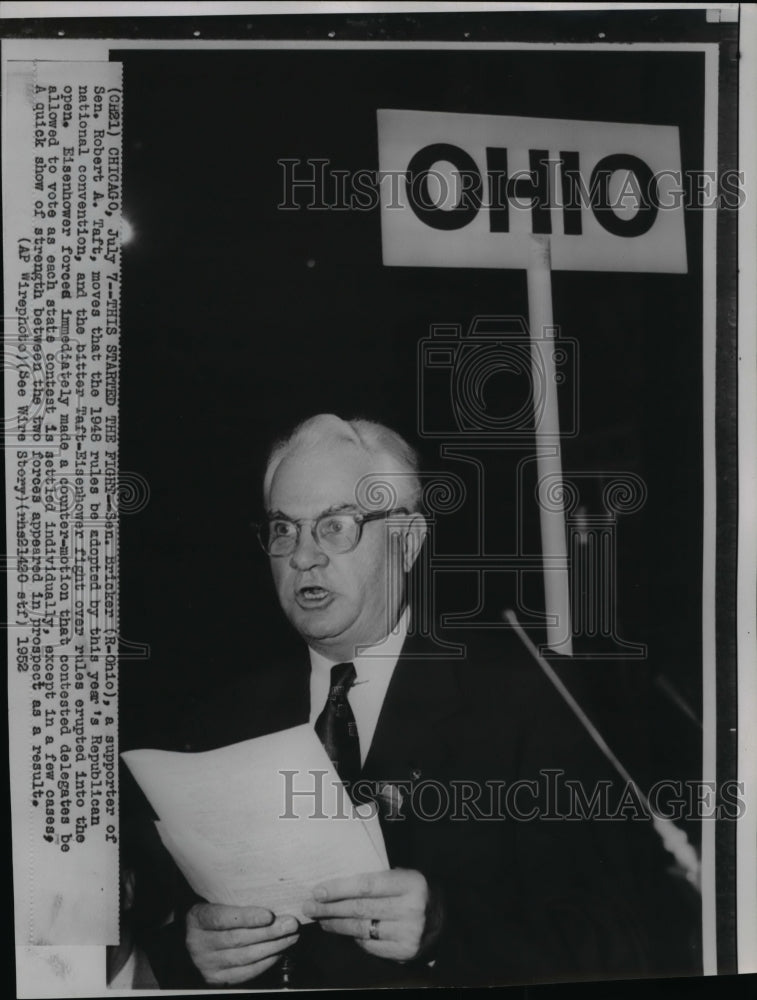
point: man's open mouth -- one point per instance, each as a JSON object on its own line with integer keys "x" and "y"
{"x": 310, "y": 596}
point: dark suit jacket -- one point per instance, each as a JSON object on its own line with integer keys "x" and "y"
{"x": 525, "y": 900}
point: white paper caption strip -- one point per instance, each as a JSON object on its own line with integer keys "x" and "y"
{"x": 62, "y": 208}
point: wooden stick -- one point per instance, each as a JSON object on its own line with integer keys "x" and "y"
{"x": 548, "y": 451}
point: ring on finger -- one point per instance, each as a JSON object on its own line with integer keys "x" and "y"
{"x": 373, "y": 931}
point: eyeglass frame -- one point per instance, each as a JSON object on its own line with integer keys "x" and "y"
{"x": 359, "y": 518}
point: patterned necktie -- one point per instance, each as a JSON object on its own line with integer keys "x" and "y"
{"x": 336, "y": 727}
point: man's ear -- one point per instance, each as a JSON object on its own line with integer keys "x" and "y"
{"x": 412, "y": 540}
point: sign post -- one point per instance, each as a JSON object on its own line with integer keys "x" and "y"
{"x": 548, "y": 448}
{"x": 539, "y": 194}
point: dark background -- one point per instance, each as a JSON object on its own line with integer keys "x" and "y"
{"x": 240, "y": 319}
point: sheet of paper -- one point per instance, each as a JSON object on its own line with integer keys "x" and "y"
{"x": 259, "y": 822}
{"x": 373, "y": 828}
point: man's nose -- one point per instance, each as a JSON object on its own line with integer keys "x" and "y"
{"x": 307, "y": 553}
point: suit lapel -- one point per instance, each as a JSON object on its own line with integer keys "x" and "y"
{"x": 414, "y": 733}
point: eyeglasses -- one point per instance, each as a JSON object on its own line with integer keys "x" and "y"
{"x": 335, "y": 534}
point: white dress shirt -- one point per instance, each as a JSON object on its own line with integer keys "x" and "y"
{"x": 374, "y": 668}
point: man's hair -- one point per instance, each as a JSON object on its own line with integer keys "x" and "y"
{"x": 401, "y": 481}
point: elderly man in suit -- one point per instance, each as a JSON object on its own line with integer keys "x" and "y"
{"x": 481, "y": 889}
{"x": 339, "y": 575}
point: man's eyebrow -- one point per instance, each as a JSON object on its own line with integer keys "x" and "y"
{"x": 333, "y": 509}
{"x": 339, "y": 507}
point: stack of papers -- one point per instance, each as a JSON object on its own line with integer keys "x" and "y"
{"x": 259, "y": 823}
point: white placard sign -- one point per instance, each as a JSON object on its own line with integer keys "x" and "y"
{"x": 461, "y": 190}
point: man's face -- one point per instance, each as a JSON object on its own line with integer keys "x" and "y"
{"x": 335, "y": 602}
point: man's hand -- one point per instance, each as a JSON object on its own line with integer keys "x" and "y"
{"x": 231, "y": 944}
{"x": 399, "y": 900}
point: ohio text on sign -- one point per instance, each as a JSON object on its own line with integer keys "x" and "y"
{"x": 468, "y": 191}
